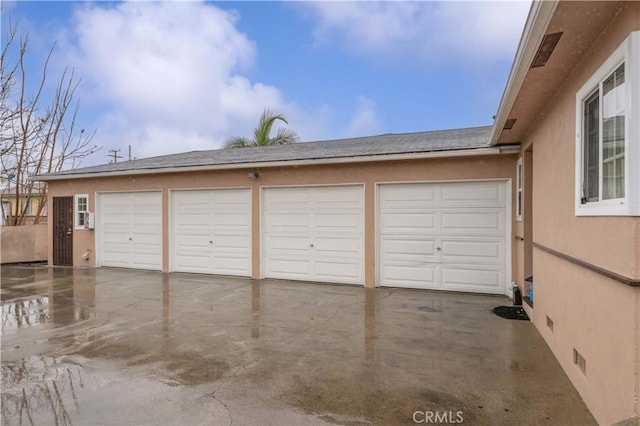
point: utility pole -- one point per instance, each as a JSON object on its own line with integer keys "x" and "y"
{"x": 114, "y": 153}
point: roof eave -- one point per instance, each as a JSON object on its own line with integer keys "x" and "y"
{"x": 287, "y": 163}
{"x": 535, "y": 27}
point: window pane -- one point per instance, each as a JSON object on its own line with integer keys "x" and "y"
{"x": 82, "y": 204}
{"x": 591, "y": 133}
{"x": 613, "y": 137}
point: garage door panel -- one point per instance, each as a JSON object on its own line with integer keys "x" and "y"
{"x": 288, "y": 198}
{"x": 230, "y": 242}
{"x": 468, "y": 250}
{"x": 338, "y": 221}
{"x": 408, "y": 196}
{"x": 288, "y": 221}
{"x": 287, "y": 267}
{"x": 474, "y": 222}
{"x": 331, "y": 196}
{"x": 116, "y": 258}
{"x": 410, "y": 274}
{"x": 278, "y": 245}
{"x": 337, "y": 246}
{"x": 406, "y": 249}
{"x": 111, "y": 237}
{"x": 211, "y": 231}
{"x": 478, "y": 194}
{"x": 321, "y": 239}
{"x": 146, "y": 238}
{"x": 116, "y": 218}
{"x": 472, "y": 278}
{"x": 230, "y": 219}
{"x": 394, "y": 222}
{"x": 191, "y": 231}
{"x": 443, "y": 236}
{"x": 146, "y": 260}
{"x": 337, "y": 271}
{"x": 191, "y": 241}
{"x": 232, "y": 265}
{"x": 191, "y": 219}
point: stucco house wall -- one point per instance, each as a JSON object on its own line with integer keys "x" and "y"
{"x": 595, "y": 315}
{"x": 29, "y": 243}
{"x": 369, "y": 174}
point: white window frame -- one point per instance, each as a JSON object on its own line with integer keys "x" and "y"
{"x": 628, "y": 53}
{"x": 78, "y": 212}
{"x": 519, "y": 192}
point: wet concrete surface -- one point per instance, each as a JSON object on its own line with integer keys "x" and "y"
{"x": 109, "y": 346}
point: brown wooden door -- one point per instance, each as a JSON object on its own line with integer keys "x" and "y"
{"x": 63, "y": 231}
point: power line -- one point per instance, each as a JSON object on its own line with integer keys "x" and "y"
{"x": 114, "y": 153}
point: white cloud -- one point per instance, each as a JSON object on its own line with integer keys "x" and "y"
{"x": 169, "y": 77}
{"x": 365, "y": 122}
{"x": 435, "y": 32}
{"x": 170, "y": 73}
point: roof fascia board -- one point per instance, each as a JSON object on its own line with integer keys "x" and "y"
{"x": 285, "y": 163}
{"x": 535, "y": 28}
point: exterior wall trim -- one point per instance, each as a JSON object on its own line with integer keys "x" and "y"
{"x": 630, "y": 281}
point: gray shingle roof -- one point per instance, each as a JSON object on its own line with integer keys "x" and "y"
{"x": 387, "y": 144}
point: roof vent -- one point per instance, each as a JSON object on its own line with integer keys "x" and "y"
{"x": 545, "y": 50}
{"x": 508, "y": 125}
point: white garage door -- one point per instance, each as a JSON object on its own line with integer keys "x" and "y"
{"x": 129, "y": 228}
{"x": 211, "y": 231}
{"x": 446, "y": 236}
{"x": 314, "y": 234}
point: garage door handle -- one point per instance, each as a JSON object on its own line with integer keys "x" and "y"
{"x": 311, "y": 245}
{"x": 210, "y": 241}
{"x": 130, "y": 239}
{"x": 438, "y": 248}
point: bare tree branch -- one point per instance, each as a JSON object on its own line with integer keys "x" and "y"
{"x": 38, "y": 135}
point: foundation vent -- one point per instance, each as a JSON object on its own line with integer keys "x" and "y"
{"x": 579, "y": 360}
{"x": 548, "y": 44}
{"x": 550, "y": 324}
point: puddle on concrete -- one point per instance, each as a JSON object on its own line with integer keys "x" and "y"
{"x": 373, "y": 402}
{"x": 43, "y": 388}
{"x": 114, "y": 341}
{"x": 24, "y": 313}
{"x": 184, "y": 368}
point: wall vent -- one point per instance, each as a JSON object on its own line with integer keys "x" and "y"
{"x": 508, "y": 125}
{"x": 548, "y": 44}
{"x": 579, "y": 360}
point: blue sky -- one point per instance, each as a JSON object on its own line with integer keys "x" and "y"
{"x": 169, "y": 77}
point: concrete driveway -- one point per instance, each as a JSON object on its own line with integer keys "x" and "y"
{"x": 108, "y": 346}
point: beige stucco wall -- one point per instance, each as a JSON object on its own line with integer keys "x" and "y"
{"x": 368, "y": 174}
{"x": 23, "y": 243}
{"x": 605, "y": 241}
{"x": 596, "y": 315}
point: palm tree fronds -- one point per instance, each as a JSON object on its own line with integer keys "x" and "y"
{"x": 285, "y": 137}
{"x": 238, "y": 142}
{"x": 261, "y": 134}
